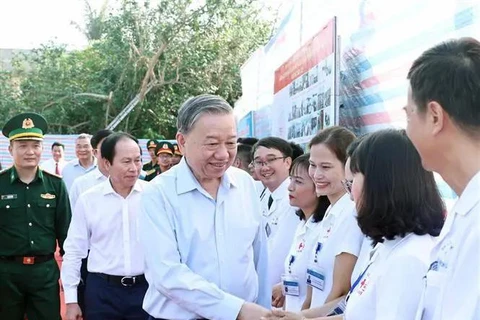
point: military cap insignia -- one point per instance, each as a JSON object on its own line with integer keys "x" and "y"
{"x": 27, "y": 124}
{"x": 152, "y": 144}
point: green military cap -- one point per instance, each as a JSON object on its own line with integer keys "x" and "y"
{"x": 164, "y": 147}
{"x": 25, "y": 126}
{"x": 152, "y": 143}
{"x": 176, "y": 150}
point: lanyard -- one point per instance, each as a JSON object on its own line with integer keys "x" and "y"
{"x": 290, "y": 262}
{"x": 355, "y": 284}
{"x": 317, "y": 251}
{"x": 262, "y": 195}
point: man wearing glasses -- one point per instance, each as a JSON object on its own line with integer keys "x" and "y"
{"x": 272, "y": 160}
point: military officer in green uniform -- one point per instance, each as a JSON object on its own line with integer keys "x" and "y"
{"x": 152, "y": 166}
{"x": 34, "y": 215}
{"x": 164, "y": 152}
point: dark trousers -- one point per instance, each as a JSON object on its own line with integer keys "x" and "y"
{"x": 30, "y": 290}
{"x": 82, "y": 285}
{"x": 110, "y": 301}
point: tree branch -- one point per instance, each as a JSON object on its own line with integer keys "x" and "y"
{"x": 85, "y": 94}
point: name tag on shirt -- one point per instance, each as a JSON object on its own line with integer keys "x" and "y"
{"x": 316, "y": 278}
{"x": 290, "y": 285}
{"x": 9, "y": 196}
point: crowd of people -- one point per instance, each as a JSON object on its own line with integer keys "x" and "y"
{"x": 222, "y": 228}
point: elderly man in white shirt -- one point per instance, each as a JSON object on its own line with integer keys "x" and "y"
{"x": 84, "y": 163}
{"x": 56, "y": 164}
{"x": 106, "y": 223}
{"x": 201, "y": 226}
{"x": 97, "y": 175}
{"x": 272, "y": 161}
{"x": 443, "y": 122}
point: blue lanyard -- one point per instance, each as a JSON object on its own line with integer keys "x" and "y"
{"x": 317, "y": 250}
{"x": 355, "y": 284}
{"x": 292, "y": 260}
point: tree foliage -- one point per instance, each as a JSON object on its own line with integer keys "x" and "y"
{"x": 181, "y": 48}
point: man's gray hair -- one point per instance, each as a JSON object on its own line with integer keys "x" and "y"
{"x": 195, "y": 107}
{"x": 84, "y": 136}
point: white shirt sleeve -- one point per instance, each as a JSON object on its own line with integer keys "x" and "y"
{"x": 400, "y": 289}
{"x": 352, "y": 241}
{"x": 76, "y": 248}
{"x": 171, "y": 277}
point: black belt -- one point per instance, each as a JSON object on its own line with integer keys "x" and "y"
{"x": 126, "y": 281}
{"x": 31, "y": 259}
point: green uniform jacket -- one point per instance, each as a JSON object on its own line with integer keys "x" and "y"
{"x": 151, "y": 170}
{"x": 33, "y": 216}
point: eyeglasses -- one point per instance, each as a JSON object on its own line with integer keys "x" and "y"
{"x": 268, "y": 162}
{"x": 347, "y": 184}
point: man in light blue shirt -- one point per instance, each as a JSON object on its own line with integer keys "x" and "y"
{"x": 95, "y": 176}
{"x": 201, "y": 226}
{"x": 84, "y": 163}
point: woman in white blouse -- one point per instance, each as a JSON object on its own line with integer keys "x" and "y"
{"x": 291, "y": 292}
{"x": 339, "y": 242}
{"x": 400, "y": 209}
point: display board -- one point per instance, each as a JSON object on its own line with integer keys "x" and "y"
{"x": 304, "y": 90}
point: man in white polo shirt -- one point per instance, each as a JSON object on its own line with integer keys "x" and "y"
{"x": 443, "y": 117}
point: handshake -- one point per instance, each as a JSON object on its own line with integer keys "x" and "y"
{"x": 251, "y": 311}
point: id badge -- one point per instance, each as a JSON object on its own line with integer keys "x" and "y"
{"x": 316, "y": 278}
{"x": 268, "y": 230}
{"x": 290, "y": 285}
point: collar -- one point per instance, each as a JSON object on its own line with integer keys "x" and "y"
{"x": 108, "y": 189}
{"x": 14, "y": 175}
{"x": 186, "y": 181}
{"x": 97, "y": 174}
{"x": 308, "y": 225}
{"x": 469, "y": 197}
{"x": 339, "y": 206}
{"x": 384, "y": 248}
{"x": 76, "y": 163}
{"x": 282, "y": 189}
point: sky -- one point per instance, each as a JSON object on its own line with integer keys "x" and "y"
{"x": 25, "y": 24}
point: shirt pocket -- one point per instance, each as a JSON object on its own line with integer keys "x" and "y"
{"x": 45, "y": 210}
{"x": 11, "y": 212}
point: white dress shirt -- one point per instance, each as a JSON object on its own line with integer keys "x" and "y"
{"x": 340, "y": 234}
{"x": 106, "y": 223}
{"x": 453, "y": 279}
{"x": 50, "y": 166}
{"x": 280, "y": 225}
{"x": 391, "y": 284}
{"x": 204, "y": 257}
{"x": 301, "y": 248}
{"x": 83, "y": 183}
{"x": 73, "y": 170}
